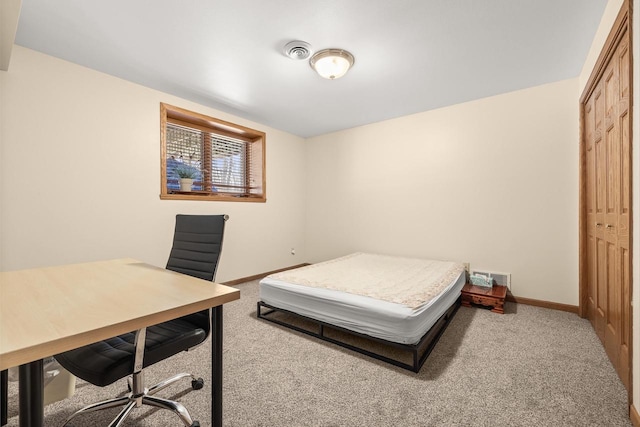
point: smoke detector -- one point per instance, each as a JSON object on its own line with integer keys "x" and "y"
{"x": 297, "y": 50}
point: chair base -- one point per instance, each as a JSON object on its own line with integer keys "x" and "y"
{"x": 131, "y": 401}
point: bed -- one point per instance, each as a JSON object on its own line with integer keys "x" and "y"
{"x": 402, "y": 303}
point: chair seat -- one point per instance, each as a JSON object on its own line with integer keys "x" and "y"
{"x": 107, "y": 361}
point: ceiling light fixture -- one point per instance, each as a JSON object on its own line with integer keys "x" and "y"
{"x": 332, "y": 63}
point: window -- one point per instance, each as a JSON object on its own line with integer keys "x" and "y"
{"x": 224, "y": 161}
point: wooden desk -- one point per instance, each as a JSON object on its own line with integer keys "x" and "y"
{"x": 46, "y": 311}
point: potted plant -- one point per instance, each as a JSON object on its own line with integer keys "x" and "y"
{"x": 186, "y": 175}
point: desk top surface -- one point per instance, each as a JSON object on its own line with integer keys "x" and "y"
{"x": 45, "y": 311}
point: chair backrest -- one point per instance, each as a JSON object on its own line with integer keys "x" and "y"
{"x": 197, "y": 244}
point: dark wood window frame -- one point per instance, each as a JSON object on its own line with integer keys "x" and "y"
{"x": 254, "y": 187}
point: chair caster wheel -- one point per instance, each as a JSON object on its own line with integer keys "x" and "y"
{"x": 197, "y": 384}
{"x": 195, "y": 424}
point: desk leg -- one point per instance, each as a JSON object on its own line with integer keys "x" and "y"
{"x": 4, "y": 396}
{"x": 216, "y": 368}
{"x": 31, "y": 394}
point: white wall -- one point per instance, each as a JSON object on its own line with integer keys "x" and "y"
{"x": 80, "y": 175}
{"x": 493, "y": 182}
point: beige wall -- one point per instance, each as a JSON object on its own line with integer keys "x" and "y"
{"x": 80, "y": 175}
{"x": 493, "y": 182}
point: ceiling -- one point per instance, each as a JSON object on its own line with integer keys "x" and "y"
{"x": 410, "y": 55}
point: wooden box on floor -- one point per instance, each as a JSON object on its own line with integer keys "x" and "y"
{"x": 485, "y": 296}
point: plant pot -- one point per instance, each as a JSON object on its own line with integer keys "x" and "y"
{"x": 186, "y": 184}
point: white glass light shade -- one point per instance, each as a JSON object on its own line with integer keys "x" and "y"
{"x": 331, "y": 63}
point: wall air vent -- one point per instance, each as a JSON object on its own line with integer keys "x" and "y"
{"x": 502, "y": 279}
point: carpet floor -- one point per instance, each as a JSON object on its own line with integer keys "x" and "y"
{"x": 528, "y": 367}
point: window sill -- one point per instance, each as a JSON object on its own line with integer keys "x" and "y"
{"x": 195, "y": 195}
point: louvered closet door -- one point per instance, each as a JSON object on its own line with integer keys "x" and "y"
{"x": 608, "y": 197}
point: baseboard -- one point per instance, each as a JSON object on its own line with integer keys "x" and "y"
{"x": 544, "y": 304}
{"x": 634, "y": 416}
{"x": 260, "y": 276}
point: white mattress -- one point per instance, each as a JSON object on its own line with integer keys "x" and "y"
{"x": 381, "y": 319}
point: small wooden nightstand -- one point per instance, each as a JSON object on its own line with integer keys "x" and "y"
{"x": 492, "y": 297}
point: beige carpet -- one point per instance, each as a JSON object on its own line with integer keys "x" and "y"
{"x": 528, "y": 367}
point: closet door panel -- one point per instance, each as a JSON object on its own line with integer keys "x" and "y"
{"x": 601, "y": 284}
{"x": 624, "y": 208}
{"x": 606, "y": 202}
{"x": 590, "y": 197}
{"x": 624, "y": 361}
{"x": 600, "y": 191}
{"x": 612, "y": 329}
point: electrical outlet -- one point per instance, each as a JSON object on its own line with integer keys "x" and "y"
{"x": 466, "y": 266}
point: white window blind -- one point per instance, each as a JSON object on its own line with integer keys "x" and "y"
{"x": 221, "y": 164}
{"x": 184, "y": 150}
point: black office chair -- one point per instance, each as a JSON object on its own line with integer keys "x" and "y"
{"x": 197, "y": 244}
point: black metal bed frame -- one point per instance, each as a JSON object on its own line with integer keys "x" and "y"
{"x": 430, "y": 338}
